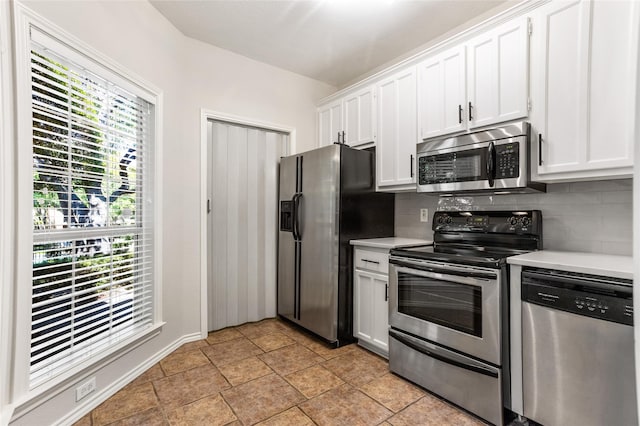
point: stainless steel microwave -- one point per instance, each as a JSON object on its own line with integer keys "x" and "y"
{"x": 490, "y": 160}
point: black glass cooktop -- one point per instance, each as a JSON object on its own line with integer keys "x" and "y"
{"x": 479, "y": 238}
{"x": 464, "y": 254}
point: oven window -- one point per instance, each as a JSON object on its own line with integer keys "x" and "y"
{"x": 453, "y": 305}
{"x": 460, "y": 166}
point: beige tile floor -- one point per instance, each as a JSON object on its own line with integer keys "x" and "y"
{"x": 272, "y": 373}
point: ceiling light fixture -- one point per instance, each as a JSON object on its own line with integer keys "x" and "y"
{"x": 358, "y": 3}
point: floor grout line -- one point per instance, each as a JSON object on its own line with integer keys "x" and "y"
{"x": 356, "y": 369}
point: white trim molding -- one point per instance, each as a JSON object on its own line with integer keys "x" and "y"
{"x": 206, "y": 115}
{"x": 109, "y": 391}
{"x": 636, "y": 233}
{"x": 30, "y": 402}
{"x": 7, "y": 207}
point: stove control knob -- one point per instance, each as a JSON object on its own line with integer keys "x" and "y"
{"x": 526, "y": 221}
{"x": 513, "y": 221}
{"x": 441, "y": 219}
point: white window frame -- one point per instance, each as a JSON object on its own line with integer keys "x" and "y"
{"x": 6, "y": 211}
{"x": 23, "y": 394}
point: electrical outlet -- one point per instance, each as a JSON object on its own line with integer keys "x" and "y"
{"x": 424, "y": 215}
{"x": 86, "y": 388}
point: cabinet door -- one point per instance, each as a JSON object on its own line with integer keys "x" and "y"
{"x": 612, "y": 86}
{"x": 371, "y": 310}
{"x": 560, "y": 37}
{"x": 442, "y": 93}
{"x": 397, "y": 131}
{"x": 584, "y": 89}
{"x": 329, "y": 123}
{"x": 359, "y": 117}
{"x": 498, "y": 74}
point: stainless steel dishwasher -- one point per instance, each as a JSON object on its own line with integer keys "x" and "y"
{"x": 577, "y": 343}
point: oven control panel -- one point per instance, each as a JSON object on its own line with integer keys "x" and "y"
{"x": 506, "y": 222}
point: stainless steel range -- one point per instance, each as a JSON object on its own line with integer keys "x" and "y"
{"x": 448, "y": 307}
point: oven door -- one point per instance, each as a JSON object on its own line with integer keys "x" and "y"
{"x": 451, "y": 305}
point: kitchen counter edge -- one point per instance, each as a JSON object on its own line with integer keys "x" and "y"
{"x": 390, "y": 242}
{"x": 581, "y": 262}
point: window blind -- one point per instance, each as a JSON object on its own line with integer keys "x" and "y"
{"x": 92, "y": 282}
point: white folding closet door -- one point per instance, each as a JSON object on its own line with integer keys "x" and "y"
{"x": 242, "y": 224}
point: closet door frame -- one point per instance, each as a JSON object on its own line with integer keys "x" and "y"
{"x": 205, "y": 116}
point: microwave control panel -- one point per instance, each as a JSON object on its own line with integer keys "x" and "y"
{"x": 507, "y": 161}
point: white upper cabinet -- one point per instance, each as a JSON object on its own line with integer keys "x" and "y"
{"x": 442, "y": 93}
{"x": 329, "y": 123}
{"x": 478, "y": 83}
{"x": 359, "y": 117}
{"x": 353, "y": 114}
{"x": 584, "y": 93}
{"x": 397, "y": 132}
{"x": 497, "y": 76}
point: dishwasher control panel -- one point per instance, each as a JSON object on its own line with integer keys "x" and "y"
{"x": 586, "y": 295}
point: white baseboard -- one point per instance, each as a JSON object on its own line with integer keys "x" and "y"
{"x": 5, "y": 414}
{"x": 109, "y": 391}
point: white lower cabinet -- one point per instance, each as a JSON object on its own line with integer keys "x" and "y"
{"x": 371, "y": 303}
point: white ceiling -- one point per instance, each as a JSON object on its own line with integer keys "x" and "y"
{"x": 334, "y": 41}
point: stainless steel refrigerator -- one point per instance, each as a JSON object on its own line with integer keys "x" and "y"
{"x": 327, "y": 198}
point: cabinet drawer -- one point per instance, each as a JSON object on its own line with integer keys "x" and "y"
{"x": 372, "y": 260}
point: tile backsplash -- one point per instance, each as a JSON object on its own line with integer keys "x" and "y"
{"x": 581, "y": 216}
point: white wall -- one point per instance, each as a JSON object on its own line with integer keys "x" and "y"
{"x": 192, "y": 76}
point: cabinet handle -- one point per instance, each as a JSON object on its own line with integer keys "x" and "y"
{"x": 386, "y": 292}
{"x": 370, "y": 261}
{"x": 460, "y": 114}
{"x": 208, "y": 206}
{"x": 411, "y": 165}
{"x": 539, "y": 149}
{"x": 344, "y": 139}
{"x": 470, "y": 116}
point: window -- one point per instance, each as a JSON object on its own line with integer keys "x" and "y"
{"x": 93, "y": 246}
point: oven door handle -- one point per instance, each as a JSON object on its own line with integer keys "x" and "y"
{"x": 430, "y": 351}
{"x": 445, "y": 270}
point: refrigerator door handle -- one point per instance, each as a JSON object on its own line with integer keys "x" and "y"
{"x": 294, "y": 200}
{"x": 296, "y": 217}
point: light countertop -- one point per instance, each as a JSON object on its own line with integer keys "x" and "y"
{"x": 586, "y": 263}
{"x": 390, "y": 242}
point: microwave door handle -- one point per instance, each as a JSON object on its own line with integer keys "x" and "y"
{"x": 491, "y": 156}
